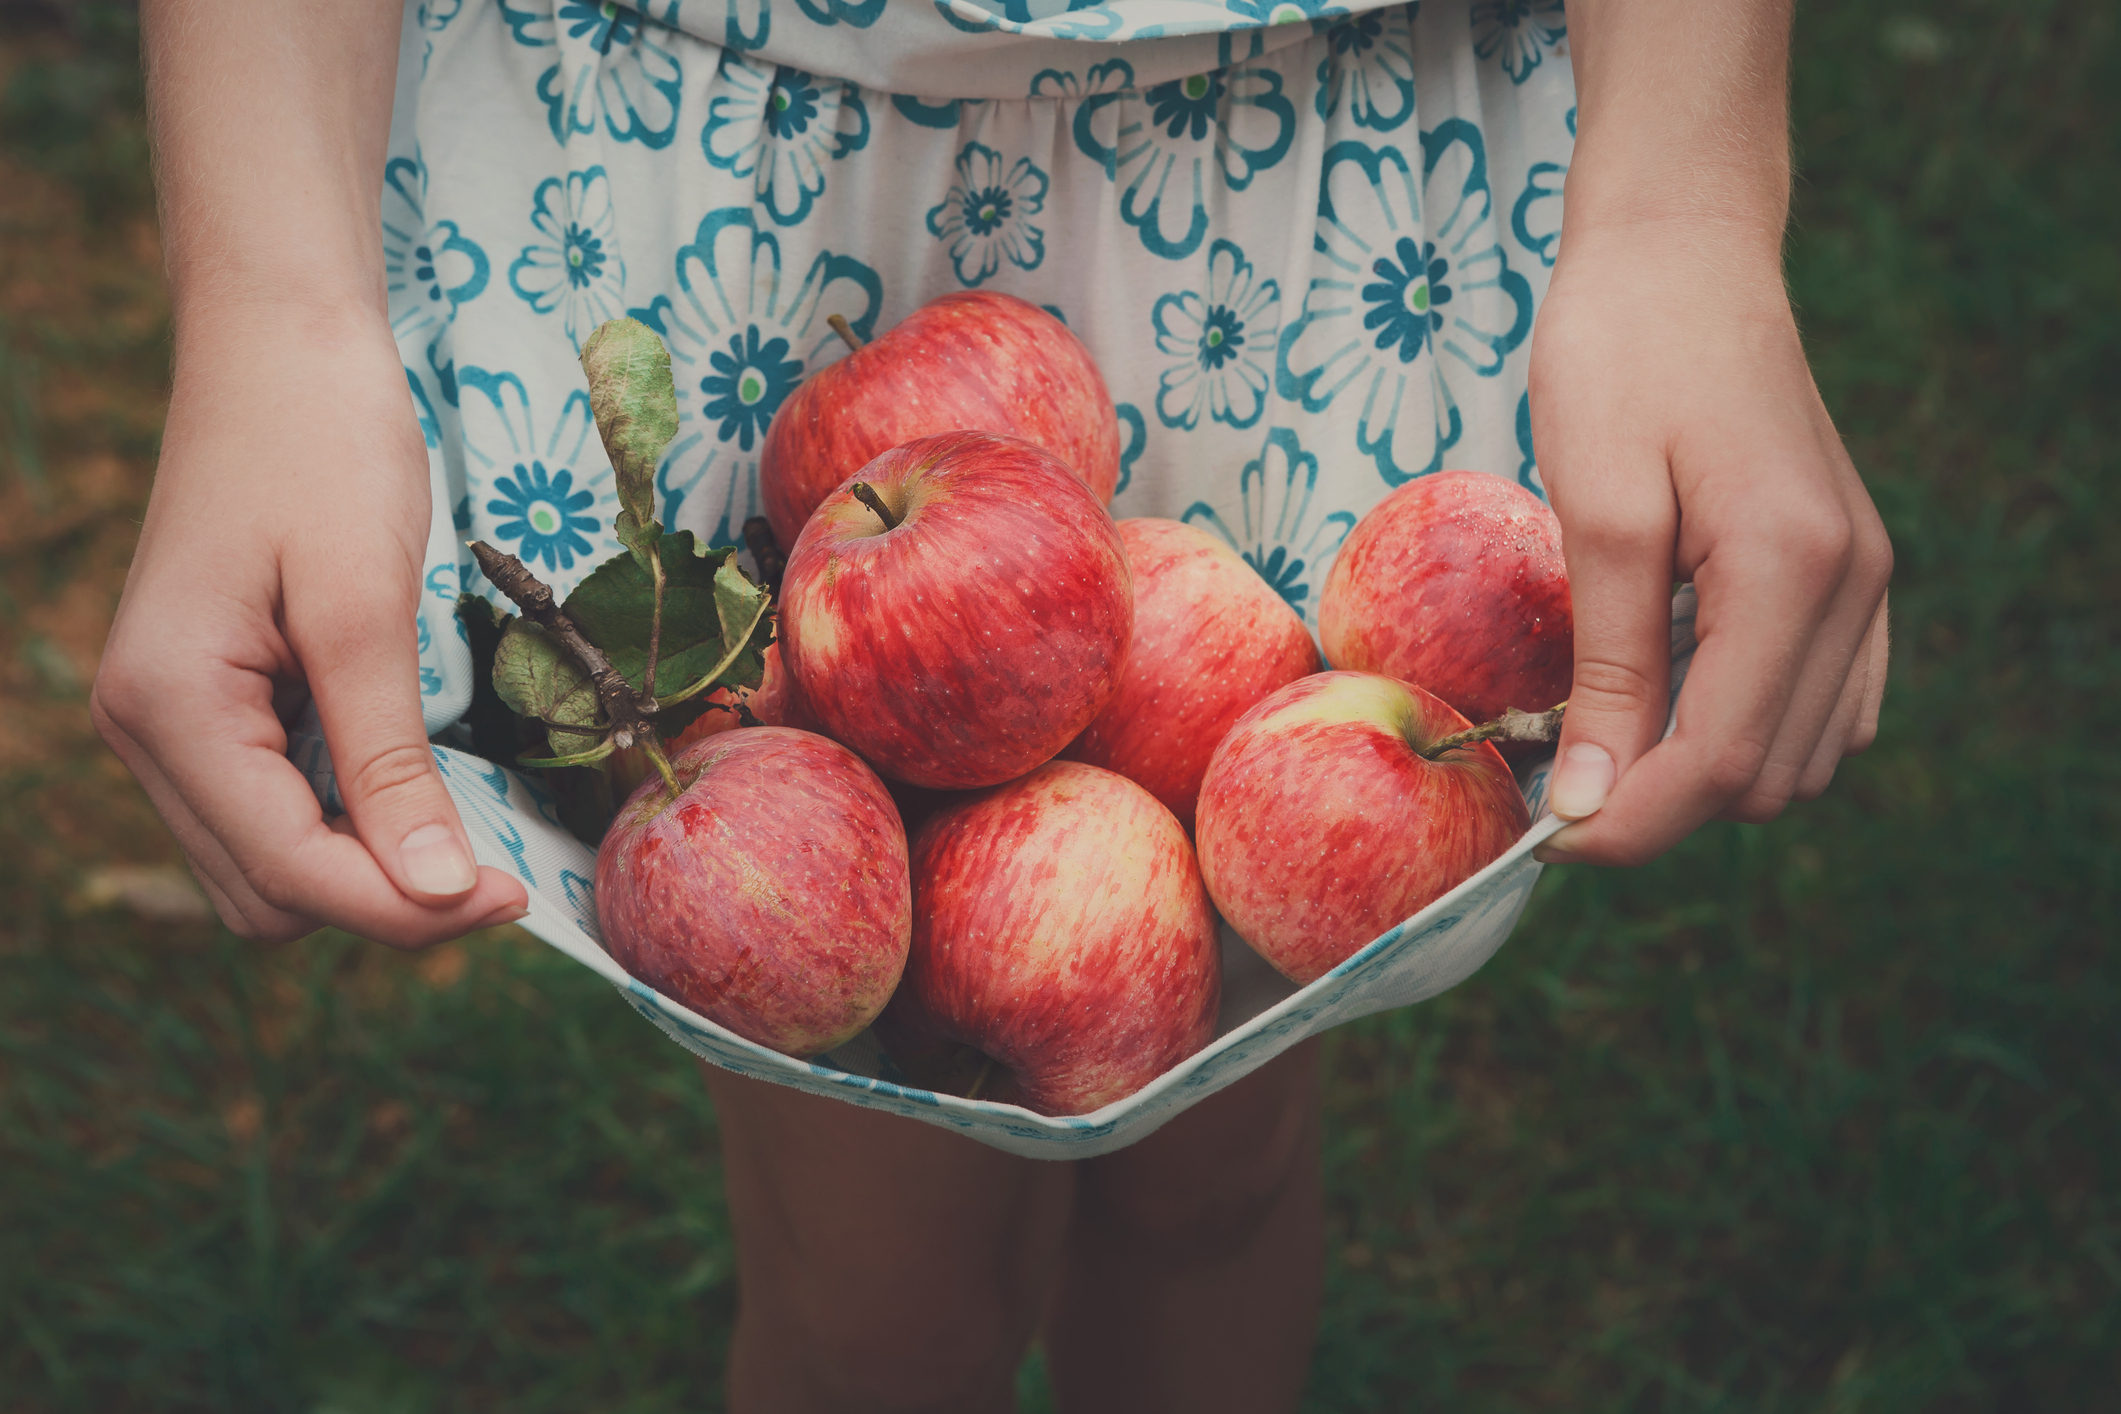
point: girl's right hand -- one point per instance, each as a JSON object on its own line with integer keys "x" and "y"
{"x": 280, "y": 561}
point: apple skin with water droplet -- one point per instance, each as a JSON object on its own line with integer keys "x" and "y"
{"x": 975, "y": 638}
{"x": 771, "y": 895}
{"x": 1063, "y": 945}
{"x": 1211, "y": 638}
{"x": 1456, "y": 583}
{"x": 972, "y": 360}
{"x": 1321, "y": 825}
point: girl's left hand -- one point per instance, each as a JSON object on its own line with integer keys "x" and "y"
{"x": 1681, "y": 438}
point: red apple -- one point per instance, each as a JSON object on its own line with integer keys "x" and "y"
{"x": 1210, "y": 639}
{"x": 974, "y": 360}
{"x": 770, "y": 895}
{"x": 1455, "y": 583}
{"x": 774, "y": 702}
{"x": 1064, "y": 953}
{"x": 971, "y": 639}
{"x": 1322, "y": 824}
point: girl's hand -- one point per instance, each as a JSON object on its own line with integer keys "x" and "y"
{"x": 281, "y": 560}
{"x": 283, "y": 545}
{"x": 1681, "y": 439}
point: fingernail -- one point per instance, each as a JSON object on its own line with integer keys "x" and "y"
{"x": 1581, "y": 782}
{"x": 1547, "y": 854}
{"x": 501, "y": 917}
{"x": 436, "y": 862}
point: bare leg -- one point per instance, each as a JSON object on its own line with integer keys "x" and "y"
{"x": 883, "y": 1264}
{"x": 1195, "y": 1262}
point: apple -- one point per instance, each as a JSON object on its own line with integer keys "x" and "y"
{"x": 1455, "y": 582}
{"x": 774, "y": 703}
{"x": 770, "y": 895}
{"x": 1323, "y": 822}
{"x": 968, "y": 620}
{"x": 974, "y": 360}
{"x": 1064, "y": 952}
{"x": 1210, "y": 639}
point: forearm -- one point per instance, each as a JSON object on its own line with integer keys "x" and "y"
{"x": 1682, "y": 121}
{"x": 271, "y": 123}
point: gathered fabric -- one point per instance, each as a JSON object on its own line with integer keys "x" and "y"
{"x": 1304, "y": 242}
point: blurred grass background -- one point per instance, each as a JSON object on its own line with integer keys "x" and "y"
{"x": 1819, "y": 1116}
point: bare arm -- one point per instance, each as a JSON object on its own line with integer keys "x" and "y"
{"x": 1681, "y": 438}
{"x": 283, "y": 543}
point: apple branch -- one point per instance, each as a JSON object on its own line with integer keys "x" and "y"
{"x": 866, "y": 494}
{"x": 1540, "y": 728}
{"x": 841, "y": 327}
{"x": 622, "y": 710}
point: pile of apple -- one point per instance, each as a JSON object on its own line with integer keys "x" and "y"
{"x": 1017, "y": 756}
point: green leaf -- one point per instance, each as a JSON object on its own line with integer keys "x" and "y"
{"x": 737, "y": 603}
{"x": 636, "y": 407}
{"x": 615, "y": 605}
{"x": 539, "y": 679}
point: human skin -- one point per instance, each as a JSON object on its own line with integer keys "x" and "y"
{"x": 282, "y": 548}
{"x": 1681, "y": 437}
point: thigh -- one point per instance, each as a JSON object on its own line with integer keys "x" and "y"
{"x": 881, "y": 1261}
{"x": 1202, "y": 1185}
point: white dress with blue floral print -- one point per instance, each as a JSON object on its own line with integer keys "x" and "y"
{"x": 1304, "y": 241}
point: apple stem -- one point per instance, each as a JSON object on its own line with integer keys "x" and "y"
{"x": 979, "y": 1081}
{"x": 653, "y": 744}
{"x": 841, "y": 327}
{"x": 866, "y": 494}
{"x": 1542, "y": 728}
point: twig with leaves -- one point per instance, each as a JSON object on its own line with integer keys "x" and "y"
{"x": 586, "y": 670}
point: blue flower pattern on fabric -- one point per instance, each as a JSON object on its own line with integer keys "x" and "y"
{"x": 1406, "y": 300}
{"x": 1221, "y": 341}
{"x": 1185, "y": 107}
{"x": 1372, "y": 327}
{"x": 430, "y": 267}
{"x": 615, "y": 70}
{"x": 576, "y": 269}
{"x": 543, "y": 514}
{"x": 783, "y": 128}
{"x": 1285, "y": 12}
{"x": 543, "y": 477}
{"x": 1536, "y": 218}
{"x": 1111, "y": 76}
{"x": 742, "y": 328}
{"x": 748, "y": 385}
{"x": 985, "y": 218}
{"x": 602, "y": 25}
{"x": 1159, "y": 147}
{"x": 1369, "y": 67}
{"x": 1278, "y": 533}
{"x": 1519, "y": 34}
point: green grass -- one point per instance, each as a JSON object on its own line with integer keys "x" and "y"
{"x": 1820, "y": 1115}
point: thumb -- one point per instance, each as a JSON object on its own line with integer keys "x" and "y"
{"x": 362, "y": 663}
{"x": 1618, "y": 532}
